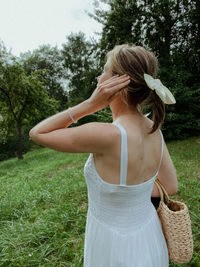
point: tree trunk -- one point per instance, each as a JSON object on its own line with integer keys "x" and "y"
{"x": 20, "y": 145}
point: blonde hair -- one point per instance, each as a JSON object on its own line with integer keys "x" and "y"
{"x": 135, "y": 61}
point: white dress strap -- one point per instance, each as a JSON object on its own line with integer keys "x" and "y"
{"x": 124, "y": 154}
{"x": 162, "y": 147}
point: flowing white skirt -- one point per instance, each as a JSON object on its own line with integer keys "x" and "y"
{"x": 106, "y": 247}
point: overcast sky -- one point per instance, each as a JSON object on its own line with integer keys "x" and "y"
{"x": 26, "y": 24}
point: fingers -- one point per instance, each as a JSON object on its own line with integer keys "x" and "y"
{"x": 114, "y": 81}
{"x": 118, "y": 78}
{"x": 118, "y": 87}
{"x": 109, "y": 80}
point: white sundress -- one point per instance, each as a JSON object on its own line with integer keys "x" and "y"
{"x": 122, "y": 226}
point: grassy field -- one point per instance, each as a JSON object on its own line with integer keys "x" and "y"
{"x": 44, "y": 205}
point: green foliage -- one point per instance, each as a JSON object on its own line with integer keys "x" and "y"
{"x": 81, "y": 66}
{"x": 23, "y": 96}
{"x": 50, "y": 61}
{"x": 9, "y": 148}
{"x": 43, "y": 205}
{"x": 104, "y": 115}
{"x": 23, "y": 99}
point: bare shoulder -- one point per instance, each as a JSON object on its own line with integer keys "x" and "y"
{"x": 95, "y": 137}
{"x": 106, "y": 129}
{"x": 92, "y": 137}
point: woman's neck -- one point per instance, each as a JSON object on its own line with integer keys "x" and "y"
{"x": 119, "y": 110}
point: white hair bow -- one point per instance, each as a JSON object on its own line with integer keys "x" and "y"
{"x": 162, "y": 91}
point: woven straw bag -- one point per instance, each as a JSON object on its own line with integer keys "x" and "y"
{"x": 176, "y": 226}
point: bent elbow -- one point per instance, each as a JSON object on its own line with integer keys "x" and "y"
{"x": 31, "y": 133}
{"x": 173, "y": 191}
{"x": 174, "y": 185}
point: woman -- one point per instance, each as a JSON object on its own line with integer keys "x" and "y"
{"x": 126, "y": 156}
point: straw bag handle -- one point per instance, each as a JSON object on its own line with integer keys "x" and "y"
{"x": 161, "y": 190}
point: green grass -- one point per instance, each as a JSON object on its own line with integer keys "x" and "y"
{"x": 43, "y": 205}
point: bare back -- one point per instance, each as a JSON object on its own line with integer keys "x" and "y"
{"x": 144, "y": 152}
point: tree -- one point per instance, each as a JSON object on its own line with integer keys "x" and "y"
{"x": 23, "y": 98}
{"x": 81, "y": 67}
{"x": 50, "y": 60}
{"x": 120, "y": 23}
